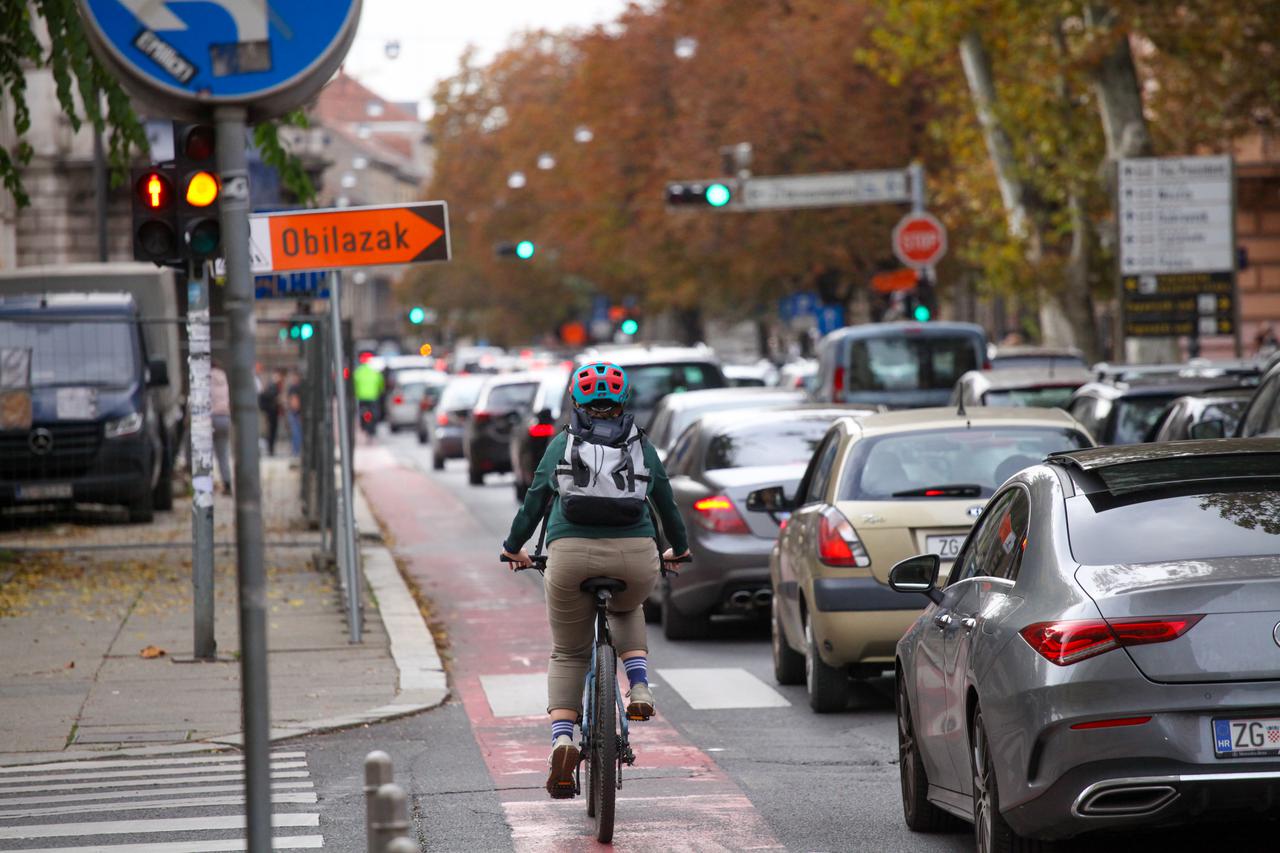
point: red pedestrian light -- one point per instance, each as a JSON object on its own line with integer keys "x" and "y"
{"x": 154, "y": 191}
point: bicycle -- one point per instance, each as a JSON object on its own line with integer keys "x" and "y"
{"x": 606, "y": 739}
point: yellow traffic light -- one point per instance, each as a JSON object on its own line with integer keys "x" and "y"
{"x": 202, "y": 190}
{"x": 425, "y": 349}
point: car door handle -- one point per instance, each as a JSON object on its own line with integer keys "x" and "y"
{"x": 969, "y": 623}
{"x": 943, "y": 620}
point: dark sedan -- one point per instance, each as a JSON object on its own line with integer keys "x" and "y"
{"x": 1123, "y": 411}
{"x": 535, "y": 429}
{"x": 676, "y": 411}
{"x": 450, "y": 414}
{"x": 714, "y": 465}
{"x": 487, "y": 436}
{"x": 1183, "y": 418}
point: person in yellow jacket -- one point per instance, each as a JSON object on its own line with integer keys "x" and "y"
{"x": 368, "y": 384}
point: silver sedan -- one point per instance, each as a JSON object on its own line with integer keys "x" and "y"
{"x": 1106, "y": 652}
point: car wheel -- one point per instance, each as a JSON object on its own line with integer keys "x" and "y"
{"x": 652, "y": 611}
{"x": 437, "y": 461}
{"x": 162, "y": 499}
{"x": 142, "y": 511}
{"x": 422, "y": 437}
{"x": 680, "y": 626}
{"x": 990, "y": 831}
{"x": 475, "y": 477}
{"x": 828, "y": 686}
{"x": 920, "y": 814}
{"x": 788, "y": 664}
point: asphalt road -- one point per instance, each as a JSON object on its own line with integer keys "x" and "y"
{"x": 820, "y": 782}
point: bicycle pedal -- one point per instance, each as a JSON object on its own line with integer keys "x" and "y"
{"x": 562, "y": 791}
{"x": 639, "y": 718}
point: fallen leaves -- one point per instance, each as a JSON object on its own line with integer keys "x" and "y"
{"x": 152, "y": 652}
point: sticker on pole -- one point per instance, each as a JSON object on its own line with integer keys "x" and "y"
{"x": 188, "y": 54}
{"x": 919, "y": 240}
{"x": 349, "y": 237}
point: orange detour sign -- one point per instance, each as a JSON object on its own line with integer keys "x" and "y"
{"x": 349, "y": 237}
{"x": 900, "y": 279}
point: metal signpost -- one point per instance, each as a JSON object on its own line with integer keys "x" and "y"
{"x": 199, "y": 407}
{"x": 1177, "y": 249}
{"x": 336, "y": 239}
{"x": 232, "y": 61}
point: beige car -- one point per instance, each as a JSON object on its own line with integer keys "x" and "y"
{"x": 879, "y": 489}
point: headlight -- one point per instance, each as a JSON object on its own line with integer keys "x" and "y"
{"x": 128, "y": 425}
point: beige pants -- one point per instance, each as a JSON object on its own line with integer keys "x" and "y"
{"x": 572, "y": 612}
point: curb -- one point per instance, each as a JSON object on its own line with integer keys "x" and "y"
{"x": 422, "y": 683}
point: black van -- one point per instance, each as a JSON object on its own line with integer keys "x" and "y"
{"x": 95, "y": 435}
{"x": 899, "y": 365}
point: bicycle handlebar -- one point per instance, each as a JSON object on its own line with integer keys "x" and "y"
{"x": 540, "y": 563}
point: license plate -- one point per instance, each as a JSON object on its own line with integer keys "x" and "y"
{"x": 1246, "y": 737}
{"x": 44, "y": 491}
{"x": 946, "y": 547}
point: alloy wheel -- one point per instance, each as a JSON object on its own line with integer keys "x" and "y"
{"x": 906, "y": 747}
{"x": 981, "y": 788}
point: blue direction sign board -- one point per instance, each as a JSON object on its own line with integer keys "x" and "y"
{"x": 265, "y": 55}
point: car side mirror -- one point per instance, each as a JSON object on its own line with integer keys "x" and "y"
{"x": 917, "y": 574}
{"x": 1212, "y": 428}
{"x": 158, "y": 373}
{"x": 772, "y": 499}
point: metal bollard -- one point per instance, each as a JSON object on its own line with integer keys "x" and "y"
{"x": 390, "y": 815}
{"x": 403, "y": 844}
{"x": 377, "y": 772}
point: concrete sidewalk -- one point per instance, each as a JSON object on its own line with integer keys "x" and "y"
{"x": 94, "y": 642}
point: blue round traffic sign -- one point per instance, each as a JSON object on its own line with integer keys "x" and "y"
{"x": 189, "y": 55}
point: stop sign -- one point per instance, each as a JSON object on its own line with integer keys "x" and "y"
{"x": 919, "y": 240}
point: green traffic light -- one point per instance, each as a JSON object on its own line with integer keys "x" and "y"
{"x": 718, "y": 195}
{"x": 306, "y": 331}
{"x": 294, "y": 331}
{"x": 629, "y": 326}
{"x": 417, "y": 315}
{"x": 922, "y": 314}
{"x": 524, "y": 250}
{"x": 284, "y": 333}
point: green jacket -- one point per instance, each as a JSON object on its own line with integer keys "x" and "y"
{"x": 368, "y": 383}
{"x": 558, "y": 527}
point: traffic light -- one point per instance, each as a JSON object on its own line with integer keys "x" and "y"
{"x": 155, "y": 234}
{"x": 524, "y": 250}
{"x": 629, "y": 326}
{"x": 417, "y": 315}
{"x": 299, "y": 332}
{"x": 921, "y": 303}
{"x": 198, "y": 190}
{"x": 715, "y": 194}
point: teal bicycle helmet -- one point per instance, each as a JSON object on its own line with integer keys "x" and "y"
{"x": 601, "y": 382}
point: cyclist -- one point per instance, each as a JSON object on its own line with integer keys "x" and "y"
{"x": 596, "y": 474}
{"x": 369, "y": 386}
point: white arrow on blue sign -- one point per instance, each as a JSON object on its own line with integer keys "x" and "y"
{"x": 269, "y": 56}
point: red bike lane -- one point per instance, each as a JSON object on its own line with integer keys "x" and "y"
{"x": 675, "y": 798}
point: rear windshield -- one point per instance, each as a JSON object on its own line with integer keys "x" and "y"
{"x": 1042, "y": 398}
{"x": 1005, "y": 362}
{"x": 1175, "y": 529}
{"x": 909, "y": 363}
{"x": 882, "y": 468}
{"x": 1133, "y": 417}
{"x": 75, "y": 352}
{"x": 505, "y": 398}
{"x": 651, "y": 382}
{"x": 461, "y": 394}
{"x": 751, "y": 446}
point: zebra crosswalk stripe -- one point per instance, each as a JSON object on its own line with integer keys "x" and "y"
{"x": 200, "y": 801}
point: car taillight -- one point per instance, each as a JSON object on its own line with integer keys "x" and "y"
{"x": 838, "y": 543}
{"x": 718, "y": 515}
{"x": 837, "y": 383}
{"x": 397, "y": 400}
{"x": 442, "y": 419}
{"x": 367, "y": 416}
{"x": 480, "y": 417}
{"x": 542, "y": 430}
{"x": 1068, "y": 642}
{"x": 1118, "y": 722}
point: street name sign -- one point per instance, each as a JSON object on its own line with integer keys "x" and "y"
{"x": 1177, "y": 246}
{"x": 919, "y": 240}
{"x": 186, "y": 56}
{"x": 344, "y": 237}
{"x": 831, "y": 189}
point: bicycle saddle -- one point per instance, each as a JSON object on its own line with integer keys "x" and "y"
{"x": 594, "y": 585}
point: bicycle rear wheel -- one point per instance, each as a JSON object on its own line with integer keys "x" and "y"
{"x": 602, "y": 764}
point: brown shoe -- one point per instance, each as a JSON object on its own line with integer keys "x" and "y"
{"x": 563, "y": 761}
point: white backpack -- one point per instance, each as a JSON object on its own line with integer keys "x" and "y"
{"x": 603, "y": 483}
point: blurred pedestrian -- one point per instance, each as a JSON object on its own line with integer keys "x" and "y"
{"x": 293, "y": 411}
{"x": 269, "y": 404}
{"x": 220, "y": 413}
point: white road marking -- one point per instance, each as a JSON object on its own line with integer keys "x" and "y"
{"x": 171, "y": 824}
{"x": 717, "y": 688}
{"x": 521, "y": 695}
{"x": 114, "y": 763}
{"x": 223, "y": 845}
{"x": 125, "y": 774}
{"x": 155, "y": 780}
{"x": 151, "y": 792}
{"x": 147, "y": 805}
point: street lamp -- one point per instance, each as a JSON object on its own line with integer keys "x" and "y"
{"x": 686, "y": 47}
{"x": 516, "y": 180}
{"x": 546, "y": 161}
{"x": 582, "y": 134}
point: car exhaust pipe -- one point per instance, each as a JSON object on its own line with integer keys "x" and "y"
{"x": 762, "y": 598}
{"x": 740, "y": 598}
{"x": 1128, "y": 801}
